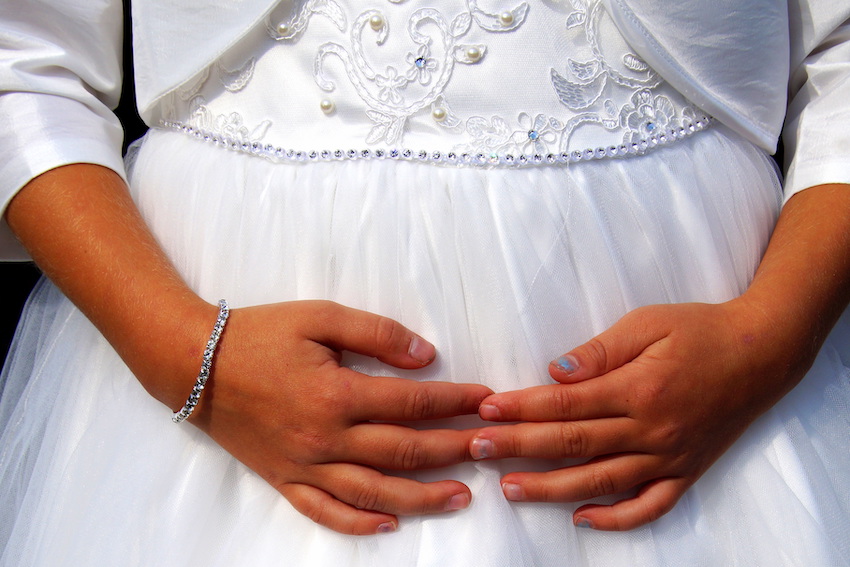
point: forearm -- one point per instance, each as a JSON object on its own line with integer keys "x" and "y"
{"x": 802, "y": 284}
{"x": 83, "y": 230}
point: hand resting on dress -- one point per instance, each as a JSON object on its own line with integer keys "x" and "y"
{"x": 280, "y": 402}
{"x": 652, "y": 403}
{"x": 277, "y": 399}
{"x": 656, "y": 399}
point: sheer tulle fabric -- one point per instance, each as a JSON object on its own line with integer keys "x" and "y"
{"x": 503, "y": 270}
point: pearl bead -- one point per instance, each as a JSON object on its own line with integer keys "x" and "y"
{"x": 327, "y": 106}
{"x": 474, "y": 54}
{"x": 506, "y": 18}
{"x": 283, "y": 29}
{"x": 438, "y": 114}
{"x": 376, "y": 22}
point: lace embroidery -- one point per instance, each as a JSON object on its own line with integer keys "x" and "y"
{"x": 602, "y": 88}
{"x": 230, "y": 126}
{"x": 293, "y": 27}
{"x": 431, "y": 64}
{"x": 638, "y": 120}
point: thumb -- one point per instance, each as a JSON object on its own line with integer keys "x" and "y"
{"x": 611, "y": 349}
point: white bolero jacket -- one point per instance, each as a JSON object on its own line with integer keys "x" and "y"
{"x": 754, "y": 65}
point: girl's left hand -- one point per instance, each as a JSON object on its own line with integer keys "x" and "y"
{"x": 652, "y": 402}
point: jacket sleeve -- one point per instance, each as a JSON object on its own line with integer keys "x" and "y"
{"x": 60, "y": 73}
{"x": 817, "y": 126}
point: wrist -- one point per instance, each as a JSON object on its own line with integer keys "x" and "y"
{"x": 164, "y": 348}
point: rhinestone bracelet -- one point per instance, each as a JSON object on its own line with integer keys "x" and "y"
{"x": 209, "y": 352}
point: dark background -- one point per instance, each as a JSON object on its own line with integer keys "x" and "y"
{"x": 18, "y": 278}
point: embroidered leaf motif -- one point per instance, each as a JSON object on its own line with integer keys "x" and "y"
{"x": 379, "y": 130}
{"x": 584, "y": 71}
{"x": 635, "y": 63}
{"x": 394, "y": 130}
{"x": 490, "y": 133}
{"x": 576, "y": 19}
{"x": 577, "y": 96}
{"x": 611, "y": 108}
{"x": 461, "y": 24}
{"x": 236, "y": 80}
{"x": 332, "y": 11}
{"x": 376, "y": 134}
{"x": 496, "y": 22}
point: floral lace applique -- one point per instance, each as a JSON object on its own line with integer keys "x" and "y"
{"x": 292, "y": 27}
{"x": 230, "y": 126}
{"x": 387, "y": 93}
{"x": 589, "y": 91}
{"x": 613, "y": 104}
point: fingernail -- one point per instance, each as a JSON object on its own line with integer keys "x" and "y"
{"x": 457, "y": 502}
{"x": 386, "y": 527}
{"x": 513, "y": 492}
{"x": 421, "y": 350}
{"x": 567, "y": 363}
{"x": 582, "y": 523}
{"x": 482, "y": 449}
{"x": 490, "y": 412}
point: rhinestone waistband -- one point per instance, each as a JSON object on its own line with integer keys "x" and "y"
{"x": 287, "y": 155}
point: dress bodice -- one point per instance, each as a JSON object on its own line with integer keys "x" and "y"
{"x": 453, "y": 80}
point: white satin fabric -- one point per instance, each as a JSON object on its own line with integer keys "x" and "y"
{"x": 732, "y": 59}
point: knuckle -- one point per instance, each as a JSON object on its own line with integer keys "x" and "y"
{"x": 409, "y": 455}
{"x": 368, "y": 497}
{"x": 669, "y": 436}
{"x": 389, "y": 334}
{"x": 420, "y": 404}
{"x": 597, "y": 352}
{"x": 573, "y": 441}
{"x": 311, "y": 447}
{"x": 318, "y": 513}
{"x": 565, "y": 403}
{"x": 600, "y": 482}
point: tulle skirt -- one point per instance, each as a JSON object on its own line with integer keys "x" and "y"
{"x": 502, "y": 270}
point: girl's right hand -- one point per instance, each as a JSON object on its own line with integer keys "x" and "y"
{"x": 279, "y": 401}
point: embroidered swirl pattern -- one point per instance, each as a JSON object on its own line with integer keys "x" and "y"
{"x": 608, "y": 90}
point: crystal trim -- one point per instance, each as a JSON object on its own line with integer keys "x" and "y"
{"x": 279, "y": 154}
{"x": 206, "y": 365}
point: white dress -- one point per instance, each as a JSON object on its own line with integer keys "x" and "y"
{"x": 507, "y": 183}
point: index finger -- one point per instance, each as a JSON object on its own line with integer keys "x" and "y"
{"x": 592, "y": 399}
{"x": 383, "y": 398}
